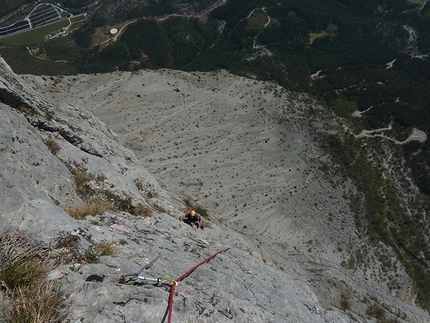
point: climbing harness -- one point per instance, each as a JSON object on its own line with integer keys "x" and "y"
{"x": 136, "y": 278}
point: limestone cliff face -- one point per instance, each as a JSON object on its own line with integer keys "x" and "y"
{"x": 44, "y": 145}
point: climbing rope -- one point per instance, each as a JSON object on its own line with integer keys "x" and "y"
{"x": 172, "y": 289}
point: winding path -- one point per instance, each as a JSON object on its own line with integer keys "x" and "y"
{"x": 200, "y": 16}
{"x": 416, "y": 134}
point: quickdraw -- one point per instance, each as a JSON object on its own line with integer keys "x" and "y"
{"x": 137, "y": 278}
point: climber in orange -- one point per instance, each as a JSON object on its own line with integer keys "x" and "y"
{"x": 192, "y": 219}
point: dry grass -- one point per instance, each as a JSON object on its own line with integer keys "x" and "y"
{"x": 92, "y": 207}
{"x": 24, "y": 271}
{"x": 39, "y": 303}
{"x": 27, "y": 296}
{"x": 20, "y": 261}
{"x": 82, "y": 187}
{"x": 139, "y": 186}
{"x": 141, "y": 210}
{"x": 106, "y": 248}
{"x": 27, "y": 110}
{"x": 53, "y": 146}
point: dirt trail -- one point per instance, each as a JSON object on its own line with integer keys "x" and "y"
{"x": 416, "y": 134}
{"x": 122, "y": 29}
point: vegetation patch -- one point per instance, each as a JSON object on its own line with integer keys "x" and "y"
{"x": 53, "y": 146}
{"x": 39, "y": 304}
{"x": 34, "y": 36}
{"x": 26, "y": 295}
{"x": 379, "y": 213}
{"x": 100, "y": 201}
{"x": 82, "y": 179}
{"x": 106, "y": 248}
{"x": 330, "y": 31}
{"x": 196, "y": 207}
{"x": 257, "y": 21}
{"x": 93, "y": 207}
{"x": 142, "y": 210}
{"x": 91, "y": 256}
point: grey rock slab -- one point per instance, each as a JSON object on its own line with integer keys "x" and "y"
{"x": 28, "y": 169}
{"x": 42, "y": 221}
{"x": 232, "y": 286}
{"x": 244, "y": 284}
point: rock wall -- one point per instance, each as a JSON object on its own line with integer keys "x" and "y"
{"x": 43, "y": 145}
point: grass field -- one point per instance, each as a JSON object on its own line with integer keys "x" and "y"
{"x": 257, "y": 21}
{"x": 23, "y": 63}
{"x": 76, "y": 25}
{"x": 34, "y": 36}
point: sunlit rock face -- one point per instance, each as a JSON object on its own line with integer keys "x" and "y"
{"x": 240, "y": 148}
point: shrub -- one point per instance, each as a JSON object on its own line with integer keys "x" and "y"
{"x": 66, "y": 249}
{"x": 344, "y": 302}
{"x": 49, "y": 116}
{"x": 202, "y": 211}
{"x": 124, "y": 204}
{"x": 121, "y": 204}
{"x": 67, "y": 241}
{"x": 139, "y": 186}
{"x": 376, "y": 311}
{"x": 27, "y": 110}
{"x": 159, "y": 208}
{"x": 198, "y": 208}
{"x": 91, "y": 256}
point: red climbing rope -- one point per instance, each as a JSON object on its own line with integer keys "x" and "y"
{"x": 172, "y": 289}
{"x": 203, "y": 262}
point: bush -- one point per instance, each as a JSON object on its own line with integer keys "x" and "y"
{"x": 119, "y": 203}
{"x": 344, "y": 302}
{"x": 376, "y": 311}
{"x": 196, "y": 207}
{"x": 91, "y": 256}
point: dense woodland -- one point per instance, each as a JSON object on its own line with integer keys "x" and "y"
{"x": 349, "y": 41}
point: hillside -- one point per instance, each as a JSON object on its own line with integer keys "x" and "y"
{"x": 299, "y": 129}
{"x": 241, "y": 148}
{"x": 58, "y": 154}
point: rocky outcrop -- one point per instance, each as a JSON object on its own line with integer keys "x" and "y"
{"x": 43, "y": 146}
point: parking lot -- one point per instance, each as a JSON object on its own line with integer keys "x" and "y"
{"x": 42, "y": 14}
